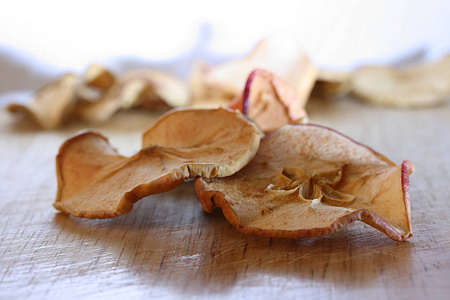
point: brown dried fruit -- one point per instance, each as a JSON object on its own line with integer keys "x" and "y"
{"x": 308, "y": 180}
{"x": 137, "y": 88}
{"x": 202, "y": 95}
{"x": 269, "y": 101}
{"x": 164, "y": 90}
{"x": 52, "y": 103}
{"x": 278, "y": 55}
{"x": 134, "y": 92}
{"x": 331, "y": 84}
{"x": 98, "y": 76}
{"x": 95, "y": 81}
{"x": 94, "y": 181}
{"x": 101, "y": 109}
{"x": 421, "y": 86}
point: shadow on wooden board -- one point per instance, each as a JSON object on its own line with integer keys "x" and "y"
{"x": 169, "y": 240}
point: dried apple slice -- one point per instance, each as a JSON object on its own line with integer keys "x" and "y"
{"x": 134, "y": 92}
{"x": 94, "y": 83}
{"x": 203, "y": 94}
{"x": 278, "y": 55}
{"x": 137, "y": 88}
{"x": 94, "y": 181}
{"x": 420, "y": 86}
{"x": 103, "y": 108}
{"x": 331, "y": 84}
{"x": 164, "y": 90}
{"x": 98, "y": 76}
{"x": 52, "y": 103}
{"x": 269, "y": 101}
{"x": 308, "y": 180}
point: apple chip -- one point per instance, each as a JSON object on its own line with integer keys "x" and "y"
{"x": 94, "y": 181}
{"x": 52, "y": 103}
{"x": 269, "y": 101}
{"x": 418, "y": 86}
{"x": 137, "y": 88}
{"x": 164, "y": 90}
{"x": 98, "y": 76}
{"x": 103, "y": 108}
{"x": 278, "y": 55}
{"x": 331, "y": 84}
{"x": 94, "y": 83}
{"x": 308, "y": 180}
{"x": 203, "y": 95}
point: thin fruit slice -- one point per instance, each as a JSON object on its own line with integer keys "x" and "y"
{"x": 421, "y": 86}
{"x": 308, "y": 180}
{"x": 279, "y": 55}
{"x": 52, "y": 104}
{"x": 331, "y": 84}
{"x": 269, "y": 101}
{"x": 98, "y": 76}
{"x": 94, "y": 181}
{"x": 138, "y": 88}
{"x": 102, "y": 109}
{"x": 164, "y": 90}
{"x": 95, "y": 82}
{"x": 204, "y": 96}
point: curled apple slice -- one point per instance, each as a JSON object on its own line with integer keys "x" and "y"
{"x": 419, "y": 86}
{"x": 103, "y": 108}
{"x": 52, "y": 103}
{"x": 279, "y": 55}
{"x": 269, "y": 101}
{"x": 97, "y": 76}
{"x": 94, "y": 83}
{"x": 94, "y": 181}
{"x": 331, "y": 84}
{"x": 136, "y": 88}
{"x": 308, "y": 180}
{"x": 202, "y": 95}
{"x": 164, "y": 90}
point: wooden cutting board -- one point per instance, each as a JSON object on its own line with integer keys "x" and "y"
{"x": 168, "y": 247}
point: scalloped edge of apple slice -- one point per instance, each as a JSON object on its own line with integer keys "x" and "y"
{"x": 94, "y": 181}
{"x": 211, "y": 198}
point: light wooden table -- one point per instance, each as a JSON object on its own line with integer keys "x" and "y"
{"x": 168, "y": 247}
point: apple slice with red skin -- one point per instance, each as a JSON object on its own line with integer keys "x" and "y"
{"x": 280, "y": 55}
{"x": 269, "y": 101}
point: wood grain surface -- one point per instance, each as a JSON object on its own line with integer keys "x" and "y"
{"x": 168, "y": 247}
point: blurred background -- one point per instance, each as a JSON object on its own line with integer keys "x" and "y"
{"x": 40, "y": 39}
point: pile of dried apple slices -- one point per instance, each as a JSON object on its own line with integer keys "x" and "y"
{"x": 98, "y": 94}
{"x": 299, "y": 180}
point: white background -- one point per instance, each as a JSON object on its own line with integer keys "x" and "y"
{"x": 46, "y": 37}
